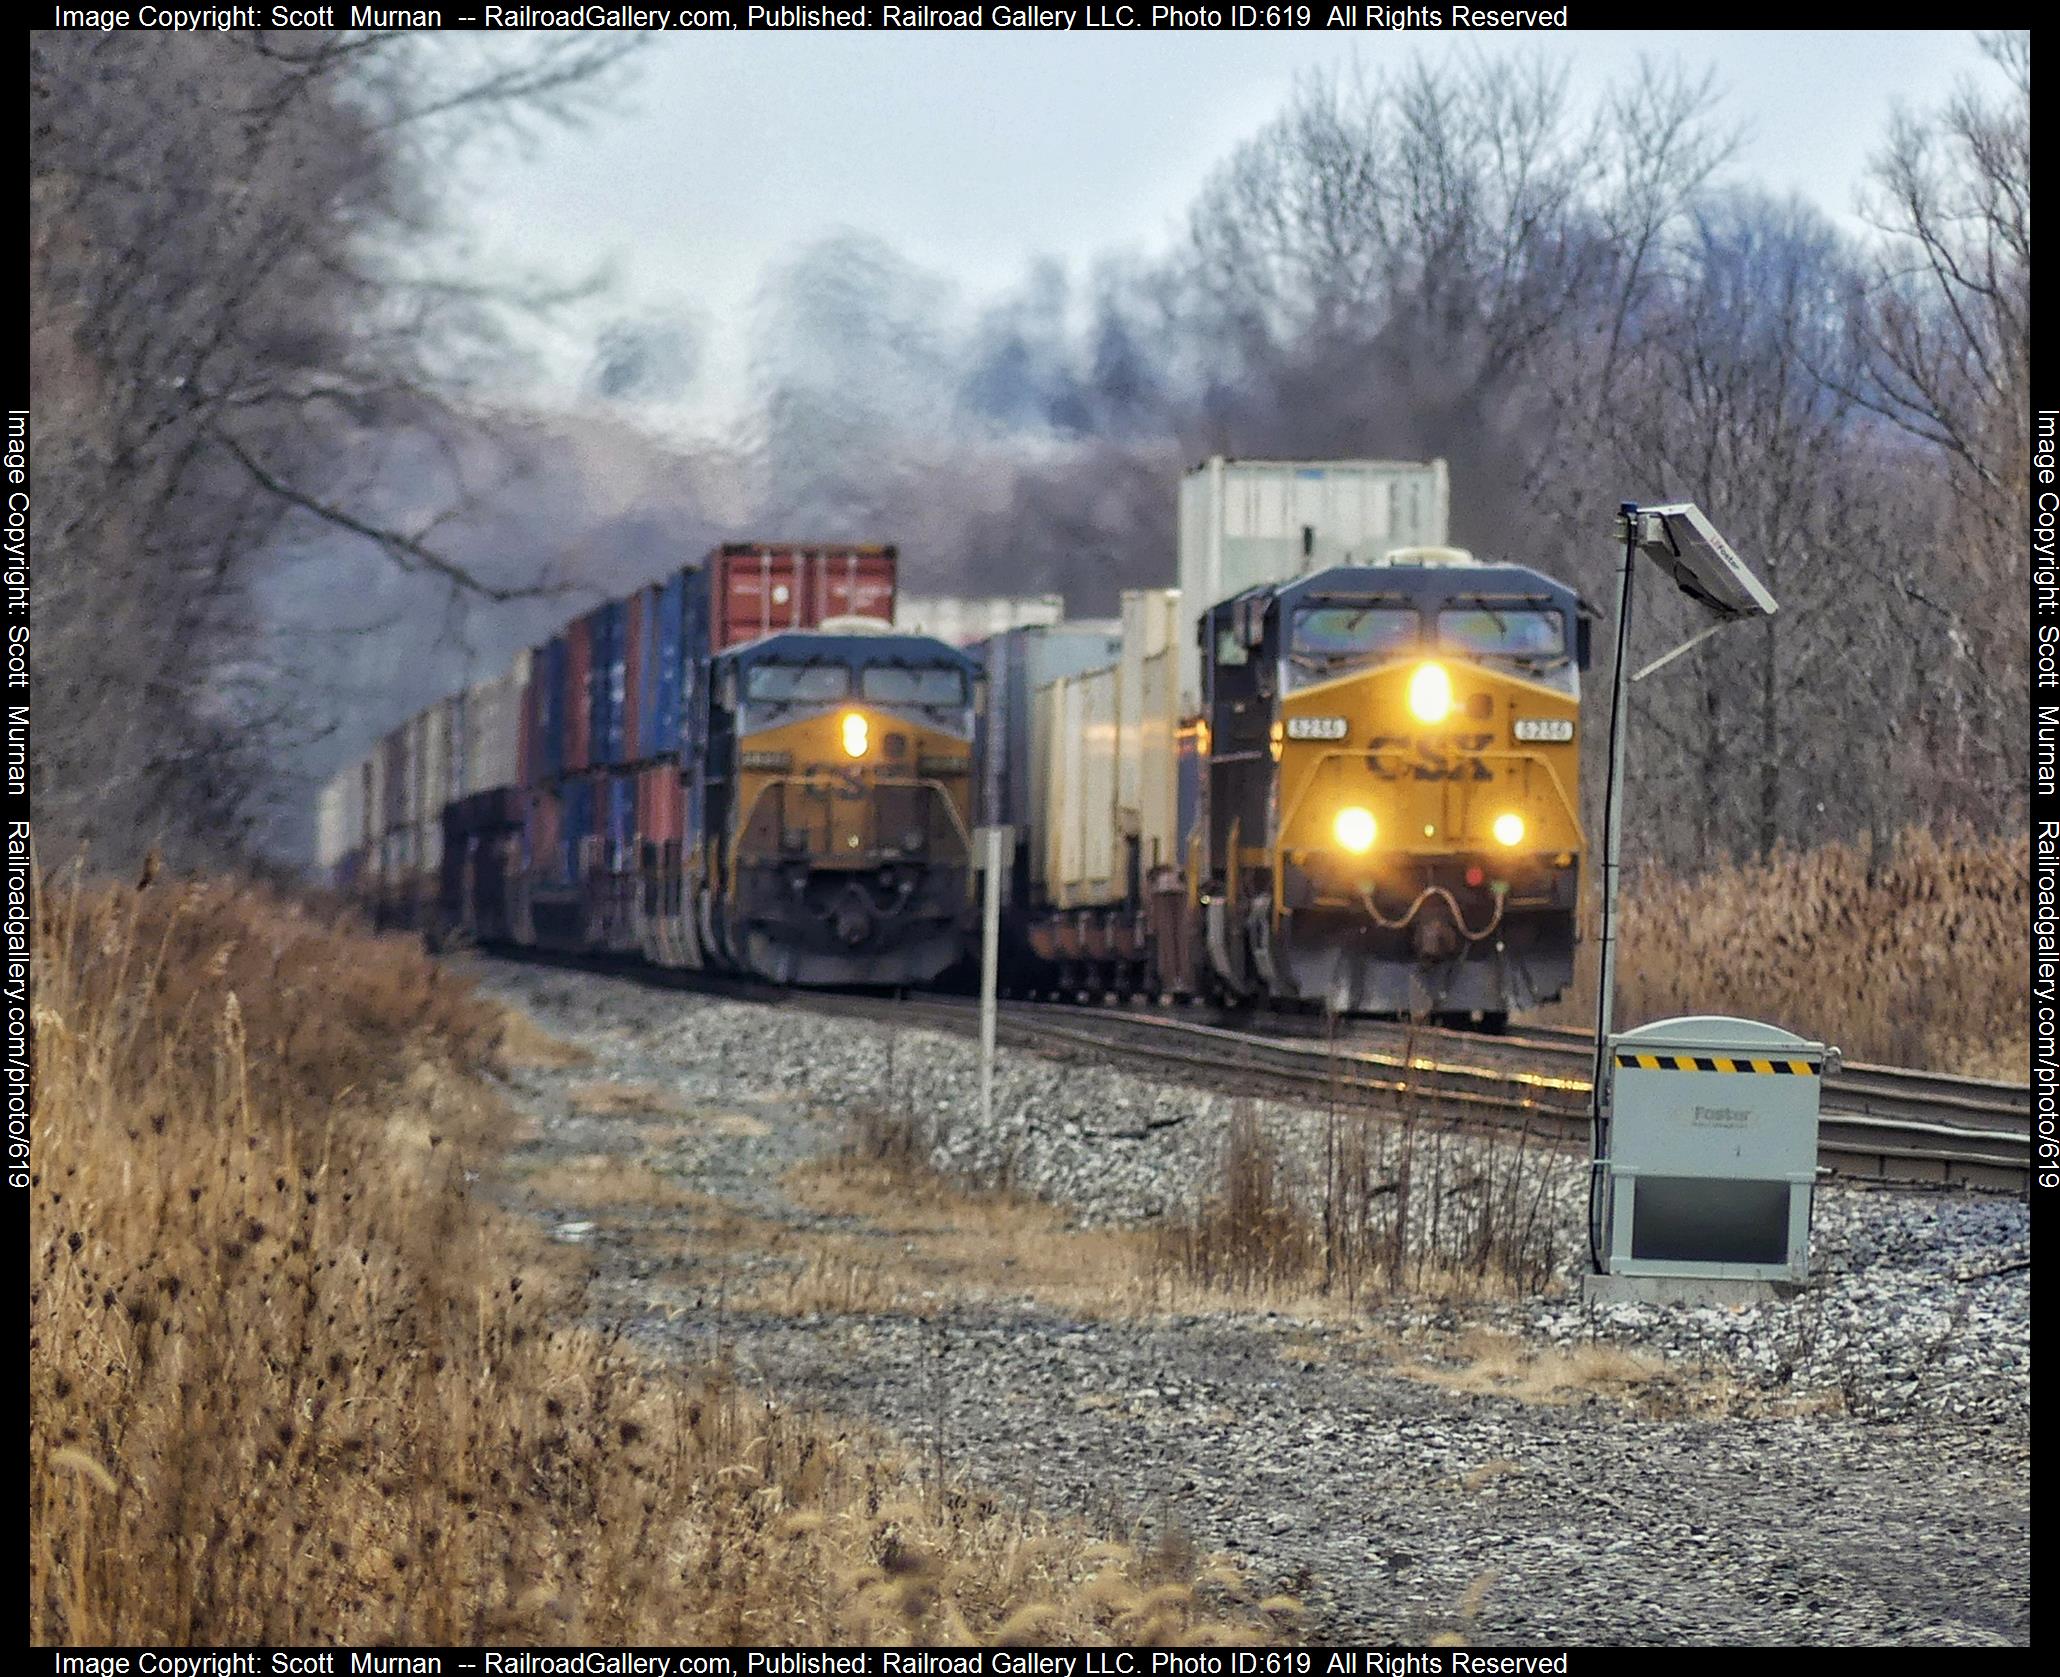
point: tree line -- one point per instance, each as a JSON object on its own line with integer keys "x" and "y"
{"x": 239, "y": 351}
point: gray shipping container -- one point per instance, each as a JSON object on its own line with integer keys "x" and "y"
{"x": 1246, "y": 522}
{"x": 964, "y": 620}
{"x": 486, "y": 733}
{"x": 1017, "y": 664}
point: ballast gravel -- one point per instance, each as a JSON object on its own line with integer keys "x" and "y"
{"x": 1868, "y": 1485}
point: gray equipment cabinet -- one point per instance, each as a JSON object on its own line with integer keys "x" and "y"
{"x": 1712, "y": 1151}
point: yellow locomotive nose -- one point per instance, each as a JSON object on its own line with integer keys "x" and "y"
{"x": 856, "y": 734}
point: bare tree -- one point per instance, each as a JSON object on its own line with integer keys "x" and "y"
{"x": 224, "y": 315}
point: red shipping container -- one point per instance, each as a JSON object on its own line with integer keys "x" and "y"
{"x": 633, "y": 679}
{"x": 543, "y": 834}
{"x": 659, "y": 804}
{"x": 758, "y": 589}
{"x": 579, "y": 662}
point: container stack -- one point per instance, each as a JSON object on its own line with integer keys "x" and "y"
{"x": 612, "y": 712}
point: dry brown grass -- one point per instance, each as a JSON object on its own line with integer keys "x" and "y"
{"x": 1918, "y": 961}
{"x": 1401, "y": 1209}
{"x": 922, "y": 1243}
{"x": 293, "y": 1382}
{"x": 624, "y": 1100}
{"x": 526, "y": 1045}
{"x": 1483, "y": 1362}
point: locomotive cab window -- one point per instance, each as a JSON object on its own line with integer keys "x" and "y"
{"x": 1334, "y": 640}
{"x": 1530, "y": 642}
{"x": 790, "y": 684}
{"x": 898, "y": 684}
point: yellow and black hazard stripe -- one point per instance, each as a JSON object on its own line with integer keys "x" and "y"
{"x": 1705, "y": 1062}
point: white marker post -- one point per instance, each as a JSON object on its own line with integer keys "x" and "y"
{"x": 990, "y": 962}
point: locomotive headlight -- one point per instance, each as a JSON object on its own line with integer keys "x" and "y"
{"x": 1430, "y": 693}
{"x": 855, "y": 732}
{"x": 1509, "y": 830}
{"x": 1355, "y": 830}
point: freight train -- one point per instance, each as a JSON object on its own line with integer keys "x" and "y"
{"x": 741, "y": 767}
{"x": 1338, "y": 766}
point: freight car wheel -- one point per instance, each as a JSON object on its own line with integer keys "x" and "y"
{"x": 1495, "y": 1022}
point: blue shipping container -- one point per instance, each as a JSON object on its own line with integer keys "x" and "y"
{"x": 694, "y": 698}
{"x": 605, "y": 629}
{"x": 643, "y": 745}
{"x": 671, "y": 655}
{"x": 579, "y": 825}
{"x": 622, "y": 822}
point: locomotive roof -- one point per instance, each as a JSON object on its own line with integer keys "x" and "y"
{"x": 844, "y": 646}
{"x": 1421, "y": 585}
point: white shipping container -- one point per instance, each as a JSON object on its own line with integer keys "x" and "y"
{"x": 964, "y": 619}
{"x": 1147, "y": 795}
{"x": 372, "y": 801}
{"x": 429, "y": 791}
{"x": 1247, "y": 522}
{"x": 488, "y": 732}
{"x": 340, "y": 818}
{"x": 1085, "y": 852}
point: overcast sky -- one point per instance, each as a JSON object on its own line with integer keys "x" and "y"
{"x": 973, "y": 154}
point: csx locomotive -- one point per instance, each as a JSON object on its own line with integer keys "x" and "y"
{"x": 833, "y": 801}
{"x": 1392, "y": 782}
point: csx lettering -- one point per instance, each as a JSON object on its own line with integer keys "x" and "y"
{"x": 1431, "y": 761}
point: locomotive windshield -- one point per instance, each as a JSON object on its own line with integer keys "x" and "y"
{"x": 1330, "y": 641}
{"x": 789, "y": 684}
{"x": 1533, "y": 642}
{"x": 899, "y": 684}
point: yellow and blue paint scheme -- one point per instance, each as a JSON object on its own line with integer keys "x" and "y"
{"x": 839, "y": 816}
{"x": 1395, "y": 826}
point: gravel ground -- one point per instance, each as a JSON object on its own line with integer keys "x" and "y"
{"x": 1893, "y": 1508}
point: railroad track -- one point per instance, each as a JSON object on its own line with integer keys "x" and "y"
{"x": 1880, "y": 1123}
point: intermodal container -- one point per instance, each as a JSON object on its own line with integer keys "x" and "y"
{"x": 668, "y": 644}
{"x": 693, "y": 667}
{"x": 1018, "y": 663}
{"x": 658, "y": 804}
{"x": 543, "y": 837}
{"x": 635, "y": 655}
{"x": 1245, "y": 522}
{"x": 966, "y": 620}
{"x": 340, "y": 820}
{"x": 758, "y": 589}
{"x": 579, "y": 666}
{"x": 1084, "y": 849}
{"x": 490, "y": 744}
{"x": 622, "y": 821}
{"x": 396, "y": 781}
{"x": 576, "y": 827}
{"x": 605, "y": 683}
{"x": 547, "y": 673}
{"x": 1147, "y": 789}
